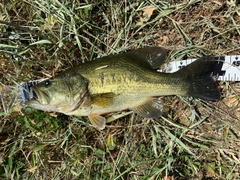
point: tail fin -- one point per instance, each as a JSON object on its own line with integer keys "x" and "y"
{"x": 198, "y": 74}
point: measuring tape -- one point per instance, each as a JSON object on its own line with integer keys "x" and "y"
{"x": 227, "y": 67}
{"x": 26, "y": 90}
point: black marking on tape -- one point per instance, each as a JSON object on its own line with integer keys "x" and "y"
{"x": 218, "y": 67}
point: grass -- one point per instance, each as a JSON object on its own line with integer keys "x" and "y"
{"x": 193, "y": 140}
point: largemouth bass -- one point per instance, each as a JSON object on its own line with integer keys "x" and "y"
{"x": 123, "y": 81}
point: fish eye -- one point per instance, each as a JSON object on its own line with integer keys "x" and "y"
{"x": 47, "y": 83}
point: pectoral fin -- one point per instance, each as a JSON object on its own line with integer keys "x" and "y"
{"x": 103, "y": 99}
{"x": 97, "y": 121}
{"x": 151, "y": 109}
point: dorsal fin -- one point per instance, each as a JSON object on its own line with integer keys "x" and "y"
{"x": 155, "y": 56}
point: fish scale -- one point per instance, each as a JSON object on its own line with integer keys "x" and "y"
{"x": 137, "y": 78}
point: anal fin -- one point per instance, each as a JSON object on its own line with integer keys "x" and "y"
{"x": 97, "y": 121}
{"x": 150, "y": 109}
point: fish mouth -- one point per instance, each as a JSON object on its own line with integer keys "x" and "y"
{"x": 42, "y": 97}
